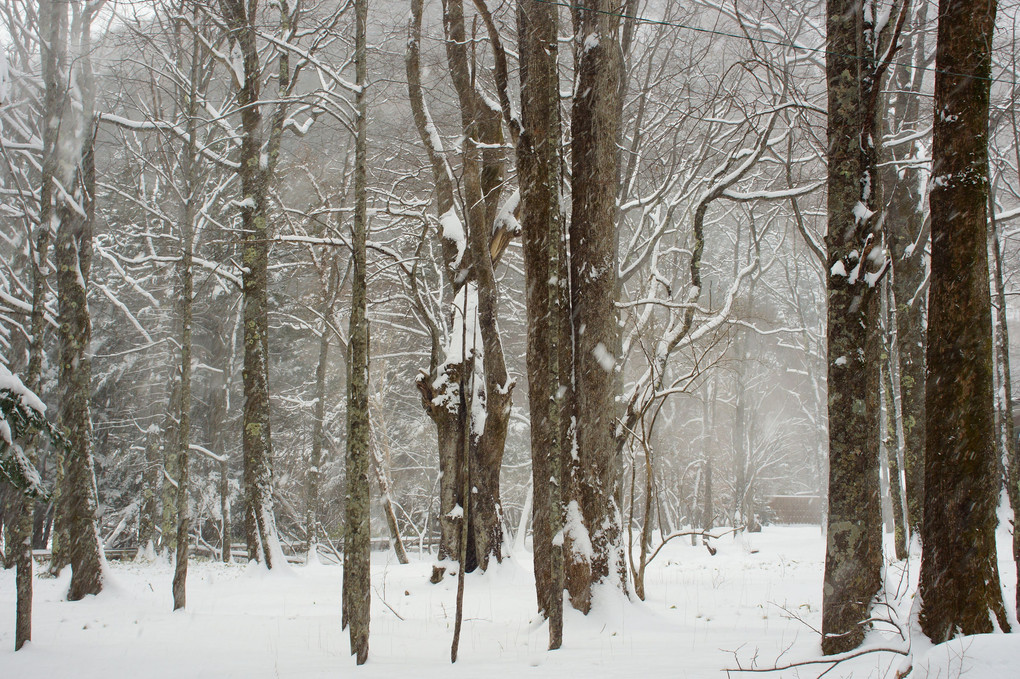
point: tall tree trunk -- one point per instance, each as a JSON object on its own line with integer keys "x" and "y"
{"x": 74, "y": 254}
{"x": 53, "y": 46}
{"x": 538, "y": 153}
{"x": 959, "y": 585}
{"x": 593, "y": 270}
{"x": 254, "y": 171}
{"x": 358, "y": 536}
{"x": 187, "y": 295}
{"x": 1006, "y": 432}
{"x": 904, "y": 224}
{"x": 73, "y": 250}
{"x": 481, "y": 172}
{"x": 470, "y": 247}
{"x": 853, "y": 557}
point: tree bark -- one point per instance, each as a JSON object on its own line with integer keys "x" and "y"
{"x": 254, "y": 171}
{"x": 468, "y": 270}
{"x": 593, "y": 272}
{"x": 959, "y": 584}
{"x": 538, "y": 154}
{"x": 853, "y": 557}
{"x": 358, "y": 536}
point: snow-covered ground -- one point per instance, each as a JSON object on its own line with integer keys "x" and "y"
{"x": 759, "y": 596}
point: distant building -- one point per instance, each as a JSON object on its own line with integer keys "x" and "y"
{"x": 792, "y": 509}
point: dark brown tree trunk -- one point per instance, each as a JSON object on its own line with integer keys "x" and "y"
{"x": 853, "y": 557}
{"x": 538, "y": 153}
{"x": 357, "y": 534}
{"x": 73, "y": 250}
{"x": 593, "y": 270}
{"x": 189, "y": 164}
{"x": 959, "y": 585}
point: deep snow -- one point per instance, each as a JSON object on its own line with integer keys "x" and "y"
{"x": 760, "y": 595}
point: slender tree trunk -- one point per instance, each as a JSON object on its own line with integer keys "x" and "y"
{"x": 357, "y": 540}
{"x": 959, "y": 585}
{"x": 538, "y": 153}
{"x": 904, "y": 224}
{"x": 188, "y": 168}
{"x": 170, "y": 446}
{"x": 1006, "y": 434}
{"x": 707, "y": 431}
{"x": 315, "y": 460}
{"x": 740, "y": 465}
{"x": 380, "y": 458}
{"x": 892, "y": 460}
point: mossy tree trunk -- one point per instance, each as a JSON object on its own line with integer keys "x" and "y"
{"x": 855, "y": 265}
{"x": 254, "y": 171}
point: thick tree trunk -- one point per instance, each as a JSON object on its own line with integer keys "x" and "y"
{"x": 468, "y": 264}
{"x": 959, "y": 585}
{"x": 853, "y": 557}
{"x": 538, "y": 153}
{"x": 73, "y": 251}
{"x": 593, "y": 270}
